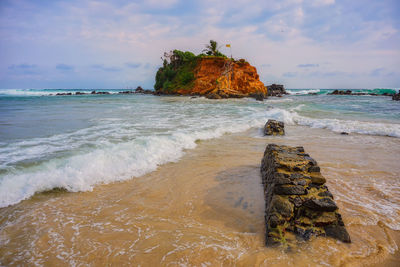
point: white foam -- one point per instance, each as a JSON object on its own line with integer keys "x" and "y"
{"x": 302, "y": 92}
{"x": 46, "y": 92}
{"x": 107, "y": 163}
{"x": 278, "y": 100}
{"x": 336, "y": 125}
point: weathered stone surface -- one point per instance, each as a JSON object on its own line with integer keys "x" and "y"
{"x": 297, "y": 199}
{"x": 289, "y": 190}
{"x": 323, "y": 204}
{"x": 282, "y": 206}
{"x": 273, "y": 127}
{"x": 316, "y": 177}
{"x": 337, "y": 231}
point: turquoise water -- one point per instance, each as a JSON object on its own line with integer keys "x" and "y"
{"x": 77, "y": 142}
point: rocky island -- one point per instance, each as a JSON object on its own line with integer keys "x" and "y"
{"x": 212, "y": 74}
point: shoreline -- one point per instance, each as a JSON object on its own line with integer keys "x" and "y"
{"x": 208, "y": 197}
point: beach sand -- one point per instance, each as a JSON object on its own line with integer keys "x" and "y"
{"x": 207, "y": 209}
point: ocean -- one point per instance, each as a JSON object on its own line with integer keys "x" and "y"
{"x": 98, "y": 143}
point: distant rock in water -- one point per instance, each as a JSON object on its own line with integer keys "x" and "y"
{"x": 214, "y": 77}
{"x": 276, "y": 90}
{"x": 298, "y": 203}
{"x": 273, "y": 127}
{"x": 64, "y": 94}
{"x": 396, "y": 97}
{"x": 140, "y": 90}
{"x": 341, "y": 92}
{"x": 349, "y": 92}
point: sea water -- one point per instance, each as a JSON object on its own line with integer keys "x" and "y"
{"x": 76, "y": 142}
{"x": 175, "y": 180}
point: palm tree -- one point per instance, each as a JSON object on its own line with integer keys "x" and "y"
{"x": 212, "y": 49}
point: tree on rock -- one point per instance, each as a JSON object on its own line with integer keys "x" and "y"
{"x": 212, "y": 49}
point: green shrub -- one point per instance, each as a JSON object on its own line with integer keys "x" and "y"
{"x": 185, "y": 77}
{"x": 178, "y": 67}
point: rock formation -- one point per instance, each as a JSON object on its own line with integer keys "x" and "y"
{"x": 276, "y": 90}
{"x": 273, "y": 127}
{"x": 396, "y": 97}
{"x": 211, "y": 76}
{"x": 298, "y": 203}
{"x": 242, "y": 79}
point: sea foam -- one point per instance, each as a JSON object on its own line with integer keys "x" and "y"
{"x": 291, "y": 117}
{"x": 105, "y": 164}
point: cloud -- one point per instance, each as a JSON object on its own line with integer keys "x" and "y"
{"x": 105, "y": 68}
{"x": 377, "y": 72}
{"x": 350, "y": 35}
{"x": 318, "y": 3}
{"x": 160, "y": 3}
{"x": 308, "y": 65}
{"x": 22, "y": 67}
{"x": 332, "y": 74}
{"x": 64, "y": 67}
{"x": 289, "y": 74}
{"x": 133, "y": 65}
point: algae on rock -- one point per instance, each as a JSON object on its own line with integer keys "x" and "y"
{"x": 297, "y": 201}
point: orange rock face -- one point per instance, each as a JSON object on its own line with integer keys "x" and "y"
{"x": 225, "y": 78}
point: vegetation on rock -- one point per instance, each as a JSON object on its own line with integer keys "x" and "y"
{"x": 211, "y": 74}
{"x": 212, "y": 49}
{"x": 176, "y": 72}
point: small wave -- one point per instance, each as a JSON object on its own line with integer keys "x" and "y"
{"x": 105, "y": 164}
{"x": 370, "y": 128}
{"x": 47, "y": 92}
{"x": 303, "y": 92}
{"x": 278, "y": 100}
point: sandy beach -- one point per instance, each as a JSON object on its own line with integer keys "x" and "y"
{"x": 207, "y": 209}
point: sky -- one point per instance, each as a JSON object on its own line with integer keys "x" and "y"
{"x": 118, "y": 44}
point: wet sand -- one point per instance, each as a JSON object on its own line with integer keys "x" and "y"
{"x": 208, "y": 209}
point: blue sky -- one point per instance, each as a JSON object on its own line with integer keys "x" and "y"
{"x": 118, "y": 44}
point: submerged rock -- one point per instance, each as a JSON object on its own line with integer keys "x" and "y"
{"x": 258, "y": 96}
{"x": 273, "y": 127}
{"x": 297, "y": 200}
{"x": 213, "y": 96}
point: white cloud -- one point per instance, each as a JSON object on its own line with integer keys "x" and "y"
{"x": 267, "y": 33}
{"x": 160, "y": 3}
{"x": 322, "y": 2}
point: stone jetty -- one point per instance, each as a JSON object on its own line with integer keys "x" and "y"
{"x": 298, "y": 203}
